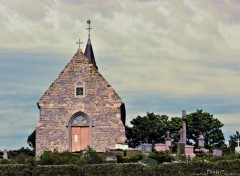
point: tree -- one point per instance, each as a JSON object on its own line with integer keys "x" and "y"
{"x": 152, "y": 129}
{"x": 232, "y": 141}
{"x": 203, "y": 123}
{"x": 174, "y": 126}
{"x": 32, "y": 140}
{"x": 147, "y": 129}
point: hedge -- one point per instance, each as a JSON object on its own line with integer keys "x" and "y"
{"x": 127, "y": 169}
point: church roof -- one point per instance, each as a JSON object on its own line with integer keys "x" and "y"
{"x": 89, "y": 53}
{"x": 89, "y": 50}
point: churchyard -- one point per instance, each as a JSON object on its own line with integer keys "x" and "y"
{"x": 166, "y": 158}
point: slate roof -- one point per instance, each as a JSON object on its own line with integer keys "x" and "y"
{"x": 89, "y": 53}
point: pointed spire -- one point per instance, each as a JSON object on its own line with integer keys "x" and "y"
{"x": 89, "y": 50}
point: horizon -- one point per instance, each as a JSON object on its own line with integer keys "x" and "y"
{"x": 160, "y": 57}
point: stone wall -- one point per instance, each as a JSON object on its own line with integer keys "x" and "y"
{"x": 100, "y": 102}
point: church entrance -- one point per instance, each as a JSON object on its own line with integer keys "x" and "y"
{"x": 80, "y": 138}
{"x": 79, "y": 132}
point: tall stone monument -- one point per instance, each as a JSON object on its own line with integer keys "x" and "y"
{"x": 182, "y": 148}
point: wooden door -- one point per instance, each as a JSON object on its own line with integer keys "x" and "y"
{"x": 80, "y": 138}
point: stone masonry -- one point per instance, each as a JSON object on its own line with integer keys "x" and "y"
{"x": 100, "y": 102}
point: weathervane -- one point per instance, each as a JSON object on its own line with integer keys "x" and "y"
{"x": 79, "y": 43}
{"x": 89, "y": 28}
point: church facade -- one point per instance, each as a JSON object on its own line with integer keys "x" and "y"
{"x": 80, "y": 109}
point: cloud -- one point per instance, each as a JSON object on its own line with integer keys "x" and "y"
{"x": 160, "y": 56}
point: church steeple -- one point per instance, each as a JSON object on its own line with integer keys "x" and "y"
{"x": 89, "y": 50}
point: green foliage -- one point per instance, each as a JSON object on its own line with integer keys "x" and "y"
{"x": 60, "y": 170}
{"x": 46, "y": 158}
{"x": 147, "y": 129}
{"x": 32, "y": 140}
{"x": 175, "y": 125}
{"x": 92, "y": 157}
{"x": 211, "y": 158}
{"x": 129, "y": 169}
{"x": 130, "y": 159}
{"x": 161, "y": 157}
{"x": 114, "y": 170}
{"x": 55, "y": 158}
{"x": 15, "y": 153}
{"x": 232, "y": 142}
{"x": 22, "y": 158}
{"x": 148, "y": 161}
{"x": 152, "y": 129}
{"x": 4, "y": 161}
{"x": 203, "y": 123}
{"x": 132, "y": 153}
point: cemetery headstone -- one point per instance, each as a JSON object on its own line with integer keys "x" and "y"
{"x": 201, "y": 141}
{"x": 237, "y": 149}
{"x": 168, "y": 142}
{"x": 5, "y": 154}
{"x": 145, "y": 148}
{"x": 121, "y": 146}
{"x": 111, "y": 159}
{"x": 217, "y": 152}
{"x": 160, "y": 147}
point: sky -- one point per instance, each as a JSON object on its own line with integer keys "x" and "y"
{"x": 160, "y": 56}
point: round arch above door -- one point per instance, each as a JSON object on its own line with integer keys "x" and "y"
{"x": 79, "y": 132}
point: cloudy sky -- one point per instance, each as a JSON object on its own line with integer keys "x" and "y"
{"x": 160, "y": 56}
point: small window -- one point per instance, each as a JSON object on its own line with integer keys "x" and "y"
{"x": 79, "y": 91}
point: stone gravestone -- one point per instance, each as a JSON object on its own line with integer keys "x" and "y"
{"x": 168, "y": 141}
{"x": 217, "y": 152}
{"x": 121, "y": 146}
{"x": 201, "y": 141}
{"x": 5, "y": 154}
{"x": 237, "y": 149}
{"x": 164, "y": 147}
{"x": 145, "y": 148}
{"x": 111, "y": 159}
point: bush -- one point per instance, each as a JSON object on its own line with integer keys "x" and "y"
{"x": 130, "y": 169}
{"x": 127, "y": 159}
{"x": 46, "y": 158}
{"x": 92, "y": 157}
{"x": 148, "y": 161}
{"x": 161, "y": 157}
{"x": 4, "y": 161}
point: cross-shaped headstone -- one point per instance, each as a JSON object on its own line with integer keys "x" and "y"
{"x": 238, "y": 142}
{"x": 79, "y": 43}
{"x": 168, "y": 132}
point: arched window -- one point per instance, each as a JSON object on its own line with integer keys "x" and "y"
{"x": 79, "y": 119}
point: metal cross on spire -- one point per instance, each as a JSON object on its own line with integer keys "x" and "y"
{"x": 89, "y": 28}
{"x": 79, "y": 43}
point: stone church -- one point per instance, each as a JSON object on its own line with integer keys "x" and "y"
{"x": 80, "y": 109}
